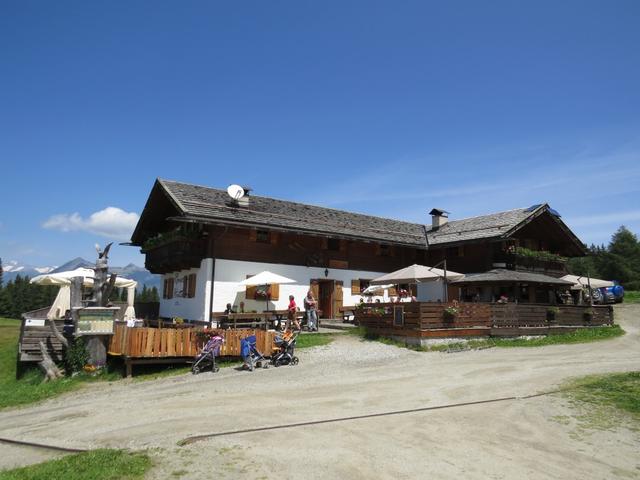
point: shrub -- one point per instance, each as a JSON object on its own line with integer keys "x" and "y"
{"x": 76, "y": 356}
{"x": 587, "y": 314}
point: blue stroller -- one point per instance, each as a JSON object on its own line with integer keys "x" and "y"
{"x": 251, "y": 355}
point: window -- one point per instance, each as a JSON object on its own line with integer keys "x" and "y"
{"x": 333, "y": 244}
{"x": 359, "y": 285}
{"x": 263, "y": 236}
{"x": 384, "y": 250}
{"x": 364, "y": 284}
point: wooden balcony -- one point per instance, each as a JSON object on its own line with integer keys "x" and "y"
{"x": 511, "y": 261}
{"x": 178, "y": 254}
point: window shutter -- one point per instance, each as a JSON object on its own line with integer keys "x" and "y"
{"x": 355, "y": 287}
{"x": 274, "y": 238}
{"x": 192, "y": 285}
{"x": 164, "y": 288}
{"x": 315, "y": 290}
{"x": 253, "y": 235}
{"x": 274, "y": 291}
{"x": 250, "y": 292}
{"x": 170, "y": 288}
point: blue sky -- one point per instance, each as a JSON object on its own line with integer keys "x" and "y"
{"x": 387, "y": 108}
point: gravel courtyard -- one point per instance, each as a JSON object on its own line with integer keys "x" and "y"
{"x": 522, "y": 438}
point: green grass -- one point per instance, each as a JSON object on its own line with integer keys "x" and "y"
{"x": 605, "y": 401}
{"x": 619, "y": 390}
{"x": 632, "y": 296}
{"x": 29, "y": 388}
{"x": 314, "y": 339}
{"x": 103, "y": 464}
{"x": 580, "y": 336}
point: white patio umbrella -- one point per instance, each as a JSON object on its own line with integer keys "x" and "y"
{"x": 62, "y": 303}
{"x": 266, "y": 278}
{"x": 372, "y": 289}
{"x": 415, "y": 274}
{"x": 581, "y": 282}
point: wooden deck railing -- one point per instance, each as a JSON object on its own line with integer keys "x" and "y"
{"x": 426, "y": 319}
{"x": 139, "y": 342}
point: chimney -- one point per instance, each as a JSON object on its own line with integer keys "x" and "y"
{"x": 244, "y": 200}
{"x": 438, "y": 218}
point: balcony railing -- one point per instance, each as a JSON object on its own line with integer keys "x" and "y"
{"x": 177, "y": 254}
{"x": 515, "y": 261}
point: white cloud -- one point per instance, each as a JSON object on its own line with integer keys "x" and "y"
{"x": 112, "y": 222}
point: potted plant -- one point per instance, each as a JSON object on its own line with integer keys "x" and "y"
{"x": 449, "y": 314}
{"x": 552, "y": 312}
{"x": 587, "y": 314}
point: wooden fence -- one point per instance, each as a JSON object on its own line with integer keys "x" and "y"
{"x": 531, "y": 319}
{"x": 139, "y": 342}
{"x": 426, "y": 319}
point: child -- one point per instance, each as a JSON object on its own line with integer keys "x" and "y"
{"x": 292, "y": 309}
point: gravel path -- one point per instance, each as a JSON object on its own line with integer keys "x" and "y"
{"x": 515, "y": 439}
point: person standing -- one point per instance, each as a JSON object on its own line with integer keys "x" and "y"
{"x": 311, "y": 306}
{"x": 292, "y": 310}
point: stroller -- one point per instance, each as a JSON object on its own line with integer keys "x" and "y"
{"x": 287, "y": 345}
{"x": 207, "y": 357}
{"x": 251, "y": 355}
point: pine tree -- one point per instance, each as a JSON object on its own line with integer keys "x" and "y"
{"x": 1, "y": 274}
{"x": 144, "y": 295}
{"x": 154, "y": 296}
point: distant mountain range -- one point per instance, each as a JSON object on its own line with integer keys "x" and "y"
{"x": 141, "y": 275}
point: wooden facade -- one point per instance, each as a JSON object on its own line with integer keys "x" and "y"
{"x": 188, "y": 230}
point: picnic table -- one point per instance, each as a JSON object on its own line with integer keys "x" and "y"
{"x": 265, "y": 319}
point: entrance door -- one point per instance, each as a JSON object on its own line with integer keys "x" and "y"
{"x": 325, "y": 297}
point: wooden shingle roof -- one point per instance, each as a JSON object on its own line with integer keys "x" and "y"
{"x": 209, "y": 204}
{"x": 213, "y": 206}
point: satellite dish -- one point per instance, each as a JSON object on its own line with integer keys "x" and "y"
{"x": 235, "y": 191}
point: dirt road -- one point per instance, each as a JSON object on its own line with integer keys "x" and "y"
{"x": 520, "y": 438}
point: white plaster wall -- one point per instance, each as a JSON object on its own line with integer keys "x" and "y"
{"x": 196, "y": 308}
{"x": 432, "y": 291}
{"x": 228, "y": 274}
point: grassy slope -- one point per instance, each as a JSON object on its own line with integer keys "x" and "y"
{"x": 632, "y": 297}
{"x": 30, "y": 388}
{"x": 103, "y": 464}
